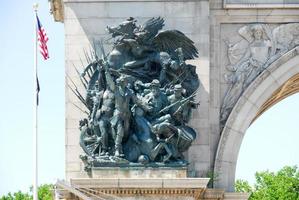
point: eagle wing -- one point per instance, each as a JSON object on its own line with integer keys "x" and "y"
{"x": 170, "y": 40}
{"x": 152, "y": 26}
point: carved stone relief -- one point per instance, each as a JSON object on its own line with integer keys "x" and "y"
{"x": 260, "y": 45}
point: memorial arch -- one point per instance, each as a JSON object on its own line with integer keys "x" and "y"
{"x": 248, "y": 61}
{"x": 278, "y": 81}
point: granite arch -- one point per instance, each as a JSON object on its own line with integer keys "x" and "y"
{"x": 258, "y": 97}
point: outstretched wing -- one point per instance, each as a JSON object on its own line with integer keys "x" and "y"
{"x": 170, "y": 40}
{"x": 152, "y": 26}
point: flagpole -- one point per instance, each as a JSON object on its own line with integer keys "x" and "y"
{"x": 35, "y": 111}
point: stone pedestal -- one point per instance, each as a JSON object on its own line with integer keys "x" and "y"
{"x": 143, "y": 189}
{"x": 142, "y": 183}
{"x": 138, "y": 172}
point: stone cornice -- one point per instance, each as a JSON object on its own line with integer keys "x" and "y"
{"x": 95, "y": 1}
{"x": 57, "y": 10}
{"x": 227, "y": 5}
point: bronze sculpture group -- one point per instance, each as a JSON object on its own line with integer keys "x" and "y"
{"x": 139, "y": 97}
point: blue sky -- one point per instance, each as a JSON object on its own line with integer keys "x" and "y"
{"x": 16, "y": 86}
{"x": 270, "y": 143}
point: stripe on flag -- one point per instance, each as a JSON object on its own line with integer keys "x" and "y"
{"x": 42, "y": 39}
{"x": 37, "y": 90}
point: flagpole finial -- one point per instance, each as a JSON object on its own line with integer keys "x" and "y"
{"x": 35, "y": 6}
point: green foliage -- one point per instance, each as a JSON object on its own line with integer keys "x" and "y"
{"x": 283, "y": 185}
{"x": 17, "y": 196}
{"x": 44, "y": 193}
{"x": 213, "y": 177}
{"x": 243, "y": 186}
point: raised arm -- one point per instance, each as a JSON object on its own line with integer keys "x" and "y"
{"x": 109, "y": 79}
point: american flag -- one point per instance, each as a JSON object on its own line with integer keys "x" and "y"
{"x": 42, "y": 39}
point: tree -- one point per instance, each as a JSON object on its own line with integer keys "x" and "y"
{"x": 243, "y": 186}
{"x": 44, "y": 193}
{"x": 283, "y": 185}
{"x": 17, "y": 196}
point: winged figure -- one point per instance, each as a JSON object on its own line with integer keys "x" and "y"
{"x": 248, "y": 58}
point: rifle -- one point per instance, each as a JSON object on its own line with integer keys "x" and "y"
{"x": 183, "y": 101}
{"x": 181, "y": 107}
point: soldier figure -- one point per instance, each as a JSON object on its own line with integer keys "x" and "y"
{"x": 103, "y": 117}
{"x": 122, "y": 114}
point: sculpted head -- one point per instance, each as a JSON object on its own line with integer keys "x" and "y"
{"x": 155, "y": 87}
{"x": 138, "y": 85}
{"x": 178, "y": 90}
{"x": 257, "y": 31}
{"x": 122, "y": 81}
{"x": 180, "y": 54}
{"x": 125, "y": 28}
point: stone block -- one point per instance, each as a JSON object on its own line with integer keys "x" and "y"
{"x": 202, "y": 111}
{"x": 183, "y": 9}
{"x": 216, "y": 4}
{"x": 214, "y": 139}
{"x": 213, "y": 194}
{"x": 72, "y": 124}
{"x": 214, "y": 116}
{"x": 199, "y": 153}
{"x": 215, "y": 98}
{"x": 286, "y": 71}
{"x": 77, "y": 40}
{"x": 73, "y": 167}
{"x": 202, "y": 136}
{"x": 86, "y": 10}
{"x": 72, "y": 153}
{"x": 188, "y": 25}
{"x": 72, "y": 112}
{"x": 236, "y": 196}
{"x": 186, "y": 183}
{"x": 141, "y": 183}
{"x": 69, "y": 175}
{"x": 202, "y": 168}
{"x": 283, "y": 12}
{"x": 202, "y": 65}
{"x": 135, "y": 9}
{"x": 226, "y": 174}
{"x": 232, "y": 146}
{"x": 73, "y": 27}
{"x": 204, "y": 91}
{"x": 96, "y": 183}
{"x": 242, "y": 115}
{"x": 72, "y": 136}
{"x": 77, "y": 52}
{"x": 138, "y": 172}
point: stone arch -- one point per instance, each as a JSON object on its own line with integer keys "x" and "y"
{"x": 257, "y": 98}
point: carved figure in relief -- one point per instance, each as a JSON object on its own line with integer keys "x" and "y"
{"x": 259, "y": 53}
{"x": 249, "y": 57}
{"x": 286, "y": 37}
{"x": 256, "y": 53}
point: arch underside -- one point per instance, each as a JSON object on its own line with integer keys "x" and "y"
{"x": 278, "y": 81}
{"x": 290, "y": 87}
